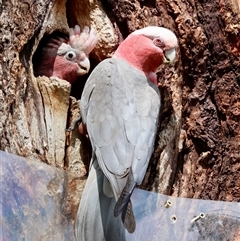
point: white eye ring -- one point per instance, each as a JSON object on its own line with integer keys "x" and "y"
{"x": 70, "y": 55}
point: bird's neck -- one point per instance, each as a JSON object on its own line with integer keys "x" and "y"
{"x": 140, "y": 52}
{"x": 59, "y": 67}
{"x": 153, "y": 77}
{"x": 65, "y": 70}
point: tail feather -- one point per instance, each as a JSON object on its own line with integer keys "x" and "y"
{"x": 128, "y": 218}
{"x": 125, "y": 196}
{"x": 124, "y": 205}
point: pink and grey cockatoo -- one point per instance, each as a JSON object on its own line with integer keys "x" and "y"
{"x": 120, "y": 106}
{"x": 66, "y": 57}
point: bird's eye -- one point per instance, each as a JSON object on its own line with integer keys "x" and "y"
{"x": 158, "y": 42}
{"x": 70, "y": 55}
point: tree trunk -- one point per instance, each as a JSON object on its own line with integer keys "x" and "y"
{"x": 197, "y": 148}
{"x": 197, "y": 151}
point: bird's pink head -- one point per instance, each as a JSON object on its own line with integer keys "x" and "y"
{"x": 147, "y": 48}
{"x": 67, "y": 58}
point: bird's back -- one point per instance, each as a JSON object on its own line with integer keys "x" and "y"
{"x": 120, "y": 107}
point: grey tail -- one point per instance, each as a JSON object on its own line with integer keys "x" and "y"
{"x": 128, "y": 218}
{"x": 124, "y": 205}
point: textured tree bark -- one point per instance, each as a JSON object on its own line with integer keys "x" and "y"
{"x": 197, "y": 151}
{"x": 35, "y": 112}
{"x": 197, "y": 148}
{"x": 29, "y": 122}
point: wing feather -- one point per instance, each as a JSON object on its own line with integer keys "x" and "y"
{"x": 120, "y": 108}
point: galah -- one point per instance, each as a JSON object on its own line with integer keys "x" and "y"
{"x": 66, "y": 57}
{"x": 120, "y": 107}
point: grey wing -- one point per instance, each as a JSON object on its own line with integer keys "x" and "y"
{"x": 120, "y": 110}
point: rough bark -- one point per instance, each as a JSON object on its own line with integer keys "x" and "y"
{"x": 36, "y": 111}
{"x": 202, "y": 159}
{"x": 197, "y": 148}
{"x": 29, "y": 120}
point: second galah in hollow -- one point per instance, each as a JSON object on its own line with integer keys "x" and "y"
{"x": 65, "y": 57}
{"x": 120, "y": 107}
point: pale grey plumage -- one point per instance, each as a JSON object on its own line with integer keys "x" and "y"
{"x": 120, "y": 108}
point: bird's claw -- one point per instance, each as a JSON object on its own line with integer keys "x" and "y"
{"x": 72, "y": 126}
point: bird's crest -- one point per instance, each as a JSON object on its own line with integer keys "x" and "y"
{"x": 154, "y": 32}
{"x": 85, "y": 40}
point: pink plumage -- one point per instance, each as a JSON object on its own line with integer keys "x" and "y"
{"x": 63, "y": 56}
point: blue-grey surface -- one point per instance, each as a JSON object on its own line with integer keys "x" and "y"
{"x": 157, "y": 221}
{"x": 34, "y": 208}
{"x": 33, "y": 201}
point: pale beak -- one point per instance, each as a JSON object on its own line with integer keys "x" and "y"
{"x": 84, "y": 66}
{"x": 169, "y": 56}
